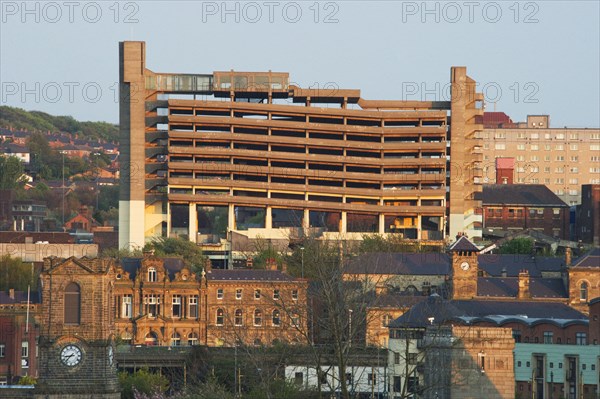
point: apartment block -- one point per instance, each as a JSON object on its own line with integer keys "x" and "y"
{"x": 204, "y": 155}
{"x": 563, "y": 159}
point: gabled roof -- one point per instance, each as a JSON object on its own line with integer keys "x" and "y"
{"x": 463, "y": 244}
{"x": 520, "y": 194}
{"x": 590, "y": 259}
{"x": 508, "y": 287}
{"x": 399, "y": 263}
{"x": 494, "y": 264}
{"x": 247, "y": 275}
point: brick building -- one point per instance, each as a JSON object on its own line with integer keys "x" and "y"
{"x": 588, "y": 215}
{"x": 561, "y": 158}
{"x": 509, "y": 208}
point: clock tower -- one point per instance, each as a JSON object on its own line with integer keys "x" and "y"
{"x": 76, "y": 326}
{"x": 464, "y": 269}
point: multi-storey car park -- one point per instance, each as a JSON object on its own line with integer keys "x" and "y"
{"x": 205, "y": 154}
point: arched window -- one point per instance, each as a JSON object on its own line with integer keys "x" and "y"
{"x": 72, "y": 304}
{"x": 151, "y": 338}
{"x": 175, "y": 339}
{"x": 257, "y": 317}
{"x": 220, "y": 317}
{"x": 151, "y": 275}
{"x": 192, "y": 339}
{"x": 238, "y": 317}
{"x": 276, "y": 318}
{"x": 583, "y": 291}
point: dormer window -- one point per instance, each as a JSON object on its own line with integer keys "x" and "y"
{"x": 151, "y": 275}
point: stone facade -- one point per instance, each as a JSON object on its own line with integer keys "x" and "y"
{"x": 76, "y": 311}
{"x": 464, "y": 274}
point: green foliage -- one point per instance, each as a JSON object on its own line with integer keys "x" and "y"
{"x": 179, "y": 247}
{"x": 27, "y": 380}
{"x": 393, "y": 243}
{"x": 264, "y": 252}
{"x": 11, "y": 169}
{"x": 211, "y": 389}
{"x": 35, "y": 121}
{"x": 121, "y": 253}
{"x": 517, "y": 246}
{"x": 16, "y": 274}
{"x": 142, "y": 381}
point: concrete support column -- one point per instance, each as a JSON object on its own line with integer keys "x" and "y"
{"x": 231, "y": 217}
{"x": 193, "y": 223}
{"x": 306, "y": 220}
{"x": 344, "y": 222}
{"x": 381, "y": 223}
{"x": 269, "y": 218}
{"x": 419, "y": 227}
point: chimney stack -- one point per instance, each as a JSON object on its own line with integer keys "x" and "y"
{"x": 568, "y": 256}
{"x": 524, "y": 285}
{"x": 11, "y": 293}
{"x": 271, "y": 264}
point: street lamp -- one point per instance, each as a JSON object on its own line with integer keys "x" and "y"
{"x": 302, "y": 257}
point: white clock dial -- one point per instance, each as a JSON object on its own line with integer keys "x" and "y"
{"x": 71, "y": 355}
{"x": 464, "y": 265}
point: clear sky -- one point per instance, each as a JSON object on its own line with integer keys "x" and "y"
{"x": 530, "y": 57}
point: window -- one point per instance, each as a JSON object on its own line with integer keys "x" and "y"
{"x": 581, "y": 338}
{"x": 24, "y": 349}
{"x": 349, "y": 378}
{"x": 193, "y": 308}
{"x": 500, "y": 135}
{"x": 372, "y": 378}
{"x": 573, "y": 181}
{"x": 551, "y": 365}
{"x": 152, "y": 304}
{"x": 275, "y": 294}
{"x": 238, "y": 293}
{"x": 535, "y": 135}
{"x": 559, "y": 147}
{"x": 257, "y": 317}
{"x": 412, "y": 358}
{"x": 192, "y": 339}
{"x": 500, "y": 146}
{"x": 126, "y": 306}
{"x": 396, "y": 358}
{"x": 397, "y": 384}
{"x": 176, "y": 308}
{"x": 220, "y": 317}
{"x": 2, "y": 350}
{"x": 548, "y": 337}
{"x": 574, "y": 147}
{"x": 295, "y": 319}
{"x": 583, "y": 291}
{"x": 151, "y": 275}
{"x": 386, "y": 320}
{"x": 574, "y": 158}
{"x": 535, "y": 147}
{"x": 219, "y": 293}
{"x": 256, "y": 294}
{"x": 298, "y": 378}
{"x": 276, "y": 318}
{"x": 238, "y": 318}
{"x": 520, "y": 157}
{"x": 521, "y": 147}
{"x": 560, "y": 157}
{"x": 72, "y": 304}
{"x": 517, "y": 335}
{"x": 295, "y": 295}
{"x": 175, "y": 339}
{"x": 519, "y": 363}
{"x": 595, "y": 147}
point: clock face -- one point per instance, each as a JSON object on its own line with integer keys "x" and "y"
{"x": 111, "y": 355}
{"x": 71, "y": 355}
{"x": 464, "y": 266}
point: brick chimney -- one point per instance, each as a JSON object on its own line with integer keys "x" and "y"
{"x": 505, "y": 170}
{"x": 568, "y": 256}
{"x": 11, "y": 293}
{"x": 271, "y": 264}
{"x": 524, "y": 285}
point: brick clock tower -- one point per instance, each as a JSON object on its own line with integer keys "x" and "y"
{"x": 464, "y": 269}
{"x": 76, "y": 349}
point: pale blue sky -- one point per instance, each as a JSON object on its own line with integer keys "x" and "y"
{"x": 538, "y": 57}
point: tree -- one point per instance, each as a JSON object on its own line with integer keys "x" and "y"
{"x": 517, "y": 246}
{"x": 11, "y": 169}
{"x": 179, "y": 247}
{"x": 142, "y": 381}
{"x": 16, "y": 274}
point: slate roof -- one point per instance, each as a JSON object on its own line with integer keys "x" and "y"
{"x": 463, "y": 244}
{"x": 590, "y": 259}
{"x": 509, "y": 287}
{"x": 19, "y": 297}
{"x": 444, "y": 311}
{"x": 400, "y": 263}
{"x": 520, "y": 194}
{"x": 493, "y": 264}
{"x": 172, "y": 266}
{"x": 247, "y": 275}
{"x": 396, "y": 301}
